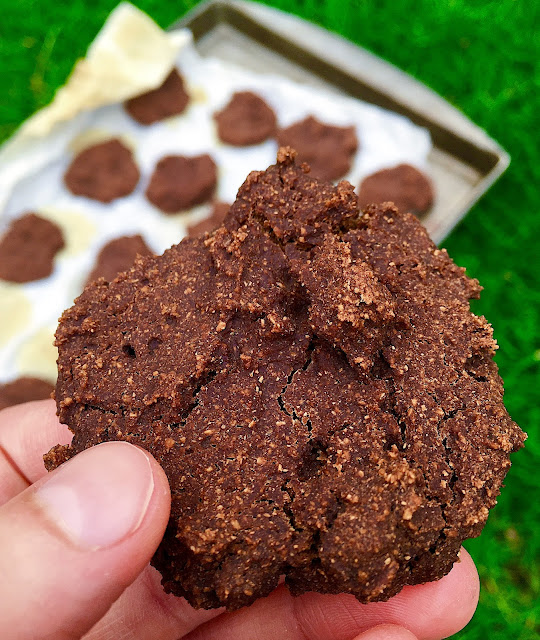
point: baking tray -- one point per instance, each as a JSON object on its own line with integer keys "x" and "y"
{"x": 464, "y": 161}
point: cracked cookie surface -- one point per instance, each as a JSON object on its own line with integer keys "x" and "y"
{"x": 319, "y": 394}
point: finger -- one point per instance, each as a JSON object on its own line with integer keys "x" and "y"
{"x": 145, "y": 612}
{"x": 71, "y": 543}
{"x": 434, "y": 610}
{"x": 11, "y": 481}
{"x": 386, "y": 632}
{"x": 430, "y": 611}
{"x": 27, "y": 431}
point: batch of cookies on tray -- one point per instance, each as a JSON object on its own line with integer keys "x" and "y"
{"x": 107, "y": 171}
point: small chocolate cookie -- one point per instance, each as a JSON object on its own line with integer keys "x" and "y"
{"x": 28, "y": 248}
{"x": 407, "y": 187}
{"x": 181, "y": 182}
{"x": 24, "y": 390}
{"x": 103, "y": 172}
{"x": 118, "y": 255}
{"x": 213, "y": 221}
{"x": 246, "y": 120}
{"x": 327, "y": 149}
{"x": 170, "y": 99}
{"x": 313, "y": 383}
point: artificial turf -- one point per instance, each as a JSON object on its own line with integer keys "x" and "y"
{"x": 481, "y": 56}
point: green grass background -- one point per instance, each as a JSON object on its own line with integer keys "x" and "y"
{"x": 484, "y": 58}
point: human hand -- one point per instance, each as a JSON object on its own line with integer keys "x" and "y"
{"x": 76, "y": 543}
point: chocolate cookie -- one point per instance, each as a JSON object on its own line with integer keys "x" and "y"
{"x": 103, "y": 172}
{"x": 407, "y": 187}
{"x": 28, "y": 248}
{"x": 24, "y": 390}
{"x": 118, "y": 255}
{"x": 213, "y": 221}
{"x": 170, "y": 99}
{"x": 181, "y": 182}
{"x": 319, "y": 394}
{"x": 327, "y": 149}
{"x": 246, "y": 120}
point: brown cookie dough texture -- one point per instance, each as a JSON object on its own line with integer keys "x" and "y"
{"x": 28, "y": 248}
{"x": 24, "y": 390}
{"x": 407, "y": 187}
{"x": 214, "y": 220}
{"x": 118, "y": 255}
{"x": 103, "y": 172}
{"x": 328, "y": 150}
{"x": 321, "y": 398}
{"x": 170, "y": 99}
{"x": 181, "y": 182}
{"x": 246, "y": 120}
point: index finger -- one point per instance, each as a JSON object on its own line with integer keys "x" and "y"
{"x": 430, "y": 611}
{"x": 27, "y": 431}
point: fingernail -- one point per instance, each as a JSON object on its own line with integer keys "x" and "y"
{"x": 99, "y": 497}
{"x": 386, "y": 632}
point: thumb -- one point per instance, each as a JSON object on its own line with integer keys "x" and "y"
{"x": 72, "y": 542}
